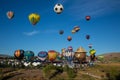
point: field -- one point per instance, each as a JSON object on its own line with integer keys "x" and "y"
{"x": 98, "y": 72}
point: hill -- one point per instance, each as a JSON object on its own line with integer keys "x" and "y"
{"x": 4, "y": 56}
{"x": 114, "y": 56}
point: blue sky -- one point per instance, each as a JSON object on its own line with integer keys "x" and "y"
{"x": 19, "y": 33}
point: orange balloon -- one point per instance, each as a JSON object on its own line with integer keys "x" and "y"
{"x": 10, "y": 14}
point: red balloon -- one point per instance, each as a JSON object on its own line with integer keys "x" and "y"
{"x": 87, "y": 18}
{"x": 69, "y": 38}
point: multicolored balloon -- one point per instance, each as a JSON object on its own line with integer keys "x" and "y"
{"x": 76, "y": 28}
{"x": 42, "y": 55}
{"x": 10, "y": 14}
{"x": 92, "y": 51}
{"x": 52, "y": 55}
{"x": 69, "y": 38}
{"x": 69, "y": 55}
{"x": 29, "y": 55}
{"x": 34, "y": 18}
{"x": 19, "y": 54}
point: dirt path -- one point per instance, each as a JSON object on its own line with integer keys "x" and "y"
{"x": 98, "y": 77}
{"x": 23, "y": 74}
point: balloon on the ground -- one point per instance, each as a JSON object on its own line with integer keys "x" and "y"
{"x": 80, "y": 54}
{"x": 58, "y": 8}
{"x": 42, "y": 55}
{"x": 19, "y": 54}
{"x": 29, "y": 55}
{"x": 10, "y": 14}
{"x": 34, "y": 18}
{"x": 52, "y": 55}
{"x": 69, "y": 55}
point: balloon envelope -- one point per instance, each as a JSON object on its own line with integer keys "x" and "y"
{"x": 70, "y": 48}
{"x": 92, "y": 51}
{"x": 42, "y": 55}
{"x": 29, "y": 55}
{"x": 87, "y": 18}
{"x": 76, "y": 28}
{"x": 73, "y": 31}
{"x": 61, "y": 32}
{"x": 87, "y": 37}
{"x": 34, "y": 18}
{"x": 69, "y": 38}
{"x": 90, "y": 45}
{"x": 52, "y": 55}
{"x": 19, "y": 54}
{"x": 10, "y": 14}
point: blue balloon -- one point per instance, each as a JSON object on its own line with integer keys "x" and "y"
{"x": 42, "y": 55}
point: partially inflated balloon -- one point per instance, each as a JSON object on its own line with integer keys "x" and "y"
{"x": 34, "y": 18}
{"x": 10, "y": 14}
{"x": 19, "y": 54}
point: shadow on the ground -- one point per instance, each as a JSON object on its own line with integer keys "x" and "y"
{"x": 11, "y": 75}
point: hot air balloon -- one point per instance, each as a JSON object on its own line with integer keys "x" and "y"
{"x": 70, "y": 48}
{"x": 19, "y": 54}
{"x": 61, "y": 32}
{"x": 80, "y": 54}
{"x": 92, "y": 57}
{"x": 34, "y": 18}
{"x": 59, "y": 56}
{"x": 87, "y": 37}
{"x": 69, "y": 38}
{"x": 90, "y": 45}
{"x": 42, "y": 55}
{"x": 73, "y": 31}
{"x": 76, "y": 28}
{"x": 69, "y": 55}
{"x": 87, "y": 18}
{"x": 92, "y": 54}
{"x": 52, "y": 55}
{"x": 92, "y": 51}
{"x": 29, "y": 55}
{"x": 10, "y": 14}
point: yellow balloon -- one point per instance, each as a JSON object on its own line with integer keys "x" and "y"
{"x": 34, "y": 18}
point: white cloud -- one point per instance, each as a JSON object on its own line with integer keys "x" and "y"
{"x": 31, "y": 33}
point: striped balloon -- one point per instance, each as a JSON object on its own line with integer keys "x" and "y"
{"x": 19, "y": 54}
